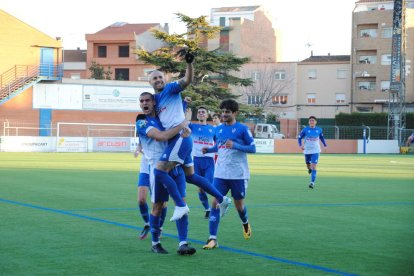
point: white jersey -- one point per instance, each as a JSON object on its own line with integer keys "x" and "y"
{"x": 169, "y": 105}
{"x": 152, "y": 148}
{"x": 232, "y": 163}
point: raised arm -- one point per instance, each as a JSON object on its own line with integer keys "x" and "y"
{"x": 189, "y": 71}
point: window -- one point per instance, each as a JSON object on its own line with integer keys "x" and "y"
{"x": 280, "y": 75}
{"x": 368, "y": 59}
{"x": 366, "y": 85}
{"x": 341, "y": 74}
{"x": 255, "y": 75}
{"x": 311, "y": 98}
{"x": 364, "y": 109}
{"x": 254, "y": 100}
{"x": 386, "y": 32}
{"x": 101, "y": 51}
{"x": 280, "y": 99}
{"x": 340, "y": 98}
{"x": 312, "y": 74}
{"x": 372, "y": 33}
{"x": 386, "y": 59}
{"x": 123, "y": 51}
{"x": 385, "y": 86}
{"x": 121, "y": 74}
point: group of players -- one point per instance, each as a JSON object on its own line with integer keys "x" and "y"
{"x": 168, "y": 143}
{"x": 167, "y": 147}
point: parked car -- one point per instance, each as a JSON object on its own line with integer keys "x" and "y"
{"x": 267, "y": 131}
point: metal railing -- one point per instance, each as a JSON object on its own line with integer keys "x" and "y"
{"x": 21, "y": 76}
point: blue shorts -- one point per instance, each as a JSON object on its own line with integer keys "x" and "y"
{"x": 238, "y": 187}
{"x": 179, "y": 150}
{"x": 143, "y": 178}
{"x": 204, "y": 166}
{"x": 159, "y": 192}
{"x": 312, "y": 158}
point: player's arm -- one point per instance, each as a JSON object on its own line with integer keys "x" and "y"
{"x": 322, "y": 140}
{"x": 300, "y": 137}
{"x": 210, "y": 149}
{"x": 248, "y": 145}
{"x": 165, "y": 135}
{"x": 138, "y": 150}
{"x": 189, "y": 71}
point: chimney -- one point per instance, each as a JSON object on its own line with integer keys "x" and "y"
{"x": 166, "y": 28}
{"x": 329, "y": 54}
{"x": 78, "y": 48}
{"x": 311, "y": 53}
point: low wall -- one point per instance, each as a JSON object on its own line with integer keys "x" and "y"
{"x": 334, "y": 146}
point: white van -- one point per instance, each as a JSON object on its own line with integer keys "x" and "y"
{"x": 267, "y": 131}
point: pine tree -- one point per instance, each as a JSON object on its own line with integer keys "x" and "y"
{"x": 212, "y": 69}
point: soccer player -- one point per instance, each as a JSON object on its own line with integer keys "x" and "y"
{"x": 233, "y": 141}
{"x": 154, "y": 139}
{"x": 169, "y": 108}
{"x": 143, "y": 188}
{"x": 216, "y": 119}
{"x": 311, "y": 136}
{"x": 203, "y": 135}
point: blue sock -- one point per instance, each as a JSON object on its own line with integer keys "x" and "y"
{"x": 162, "y": 217}
{"x": 313, "y": 176}
{"x": 204, "y": 184}
{"x": 214, "y": 221}
{"x": 243, "y": 215}
{"x": 204, "y": 200}
{"x": 155, "y": 228}
{"x": 143, "y": 209}
{"x": 182, "y": 228}
{"x": 166, "y": 180}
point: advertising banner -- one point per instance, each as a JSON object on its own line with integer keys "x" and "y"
{"x": 72, "y": 144}
{"x": 27, "y": 144}
{"x": 101, "y": 144}
{"x": 264, "y": 145}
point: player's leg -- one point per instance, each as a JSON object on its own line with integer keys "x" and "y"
{"x": 238, "y": 191}
{"x": 214, "y": 221}
{"x": 182, "y": 224}
{"x": 314, "y": 162}
{"x": 143, "y": 209}
{"x": 308, "y": 163}
{"x": 202, "y": 195}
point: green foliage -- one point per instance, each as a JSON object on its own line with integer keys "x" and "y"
{"x": 359, "y": 119}
{"x": 98, "y": 72}
{"x": 212, "y": 69}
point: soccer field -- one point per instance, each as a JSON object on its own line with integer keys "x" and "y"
{"x": 76, "y": 214}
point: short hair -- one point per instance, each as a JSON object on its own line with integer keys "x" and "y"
{"x": 229, "y": 104}
{"x": 201, "y": 107}
{"x": 147, "y": 93}
{"x": 312, "y": 117}
{"x": 216, "y": 115}
{"x": 140, "y": 117}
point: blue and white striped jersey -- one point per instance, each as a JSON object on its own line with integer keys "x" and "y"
{"x": 169, "y": 105}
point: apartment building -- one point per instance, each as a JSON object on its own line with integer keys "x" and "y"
{"x": 246, "y": 32}
{"x": 74, "y": 64}
{"x": 112, "y": 48}
{"x": 372, "y": 28}
{"x": 323, "y": 86}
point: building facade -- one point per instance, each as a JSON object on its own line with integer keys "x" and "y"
{"x": 372, "y": 29}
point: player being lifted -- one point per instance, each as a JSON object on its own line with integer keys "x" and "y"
{"x": 169, "y": 109}
{"x": 311, "y": 148}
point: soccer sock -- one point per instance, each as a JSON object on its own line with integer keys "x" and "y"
{"x": 143, "y": 209}
{"x": 162, "y": 217}
{"x": 169, "y": 183}
{"x": 204, "y": 184}
{"x": 155, "y": 229}
{"x": 313, "y": 176}
{"x": 243, "y": 215}
{"x": 204, "y": 200}
{"x": 182, "y": 228}
{"x": 214, "y": 221}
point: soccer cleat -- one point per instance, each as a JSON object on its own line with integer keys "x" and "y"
{"x": 224, "y": 206}
{"x": 247, "y": 231}
{"x": 158, "y": 249}
{"x": 211, "y": 244}
{"x": 144, "y": 232}
{"x": 207, "y": 215}
{"x": 309, "y": 171}
{"x": 185, "y": 249}
{"x": 311, "y": 185}
{"x": 179, "y": 212}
